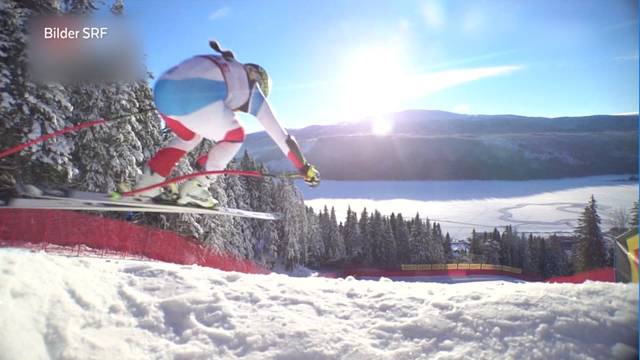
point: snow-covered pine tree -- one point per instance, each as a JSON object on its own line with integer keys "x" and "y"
{"x": 324, "y": 232}
{"x": 315, "y": 245}
{"x": 238, "y": 198}
{"x": 365, "y": 236}
{"x": 375, "y": 238}
{"x": 350, "y": 234}
{"x": 265, "y": 232}
{"x": 334, "y": 243}
{"x": 389, "y": 248}
{"x": 109, "y": 154}
{"x": 79, "y": 7}
{"x": 289, "y": 203}
{"x": 417, "y": 241}
{"x": 402, "y": 241}
{"x": 555, "y": 262}
{"x": 513, "y": 241}
{"x": 504, "y": 253}
{"x": 529, "y": 260}
{"x": 448, "y": 251}
{"x": 492, "y": 247}
{"x": 476, "y": 248}
{"x": 589, "y": 250}
{"x": 435, "y": 248}
{"x": 30, "y": 109}
{"x": 426, "y": 254}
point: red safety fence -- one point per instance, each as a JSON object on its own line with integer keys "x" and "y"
{"x": 376, "y": 273}
{"x": 89, "y": 233}
{"x": 603, "y": 274}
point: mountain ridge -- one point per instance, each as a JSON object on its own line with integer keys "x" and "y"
{"x": 439, "y": 145}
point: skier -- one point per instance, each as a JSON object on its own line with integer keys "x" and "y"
{"x": 197, "y": 99}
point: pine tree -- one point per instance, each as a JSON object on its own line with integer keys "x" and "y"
{"x": 388, "y": 254}
{"x": 289, "y": 203}
{"x": 492, "y": 247}
{"x": 542, "y": 257}
{"x": 30, "y": 109}
{"x": 448, "y": 251}
{"x": 350, "y": 234}
{"x": 556, "y": 263}
{"x": 505, "y": 247}
{"x": 363, "y": 226}
{"x": 315, "y": 244}
{"x": 402, "y": 240}
{"x": 530, "y": 260}
{"x": 589, "y": 250}
{"x": 434, "y": 248}
{"x": 376, "y": 238}
{"x": 335, "y": 243}
{"x": 476, "y": 248}
{"x": 417, "y": 240}
{"x": 516, "y": 245}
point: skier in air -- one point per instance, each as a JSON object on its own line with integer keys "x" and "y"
{"x": 197, "y": 99}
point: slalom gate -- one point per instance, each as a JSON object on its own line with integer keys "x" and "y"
{"x": 76, "y": 233}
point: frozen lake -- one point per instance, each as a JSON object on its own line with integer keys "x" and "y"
{"x": 531, "y": 206}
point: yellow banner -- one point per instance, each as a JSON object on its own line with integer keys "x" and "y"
{"x": 632, "y": 255}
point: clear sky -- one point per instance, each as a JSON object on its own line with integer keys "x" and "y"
{"x": 334, "y": 61}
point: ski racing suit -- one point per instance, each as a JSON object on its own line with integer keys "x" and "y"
{"x": 197, "y": 99}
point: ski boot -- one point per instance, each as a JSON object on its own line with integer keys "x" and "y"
{"x": 163, "y": 194}
{"x": 194, "y": 192}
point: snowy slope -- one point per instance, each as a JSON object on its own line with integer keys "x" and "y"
{"x": 86, "y": 308}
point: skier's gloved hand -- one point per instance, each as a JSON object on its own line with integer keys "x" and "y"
{"x": 311, "y": 175}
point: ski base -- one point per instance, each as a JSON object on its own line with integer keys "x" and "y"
{"x": 83, "y": 200}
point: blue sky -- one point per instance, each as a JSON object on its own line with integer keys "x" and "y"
{"x": 333, "y": 61}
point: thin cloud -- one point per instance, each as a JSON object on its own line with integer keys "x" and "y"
{"x": 432, "y": 82}
{"x": 220, "y": 13}
{"x": 633, "y": 56}
{"x": 425, "y": 83}
{"x": 622, "y": 25}
{"x": 433, "y": 13}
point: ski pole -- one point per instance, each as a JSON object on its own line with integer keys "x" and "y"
{"x": 70, "y": 129}
{"x": 250, "y": 173}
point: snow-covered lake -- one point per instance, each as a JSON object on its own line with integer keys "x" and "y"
{"x": 531, "y": 206}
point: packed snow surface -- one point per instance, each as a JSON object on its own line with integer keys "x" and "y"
{"x": 59, "y": 307}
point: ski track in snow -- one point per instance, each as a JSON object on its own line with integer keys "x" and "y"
{"x": 59, "y": 307}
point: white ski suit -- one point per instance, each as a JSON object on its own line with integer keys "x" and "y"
{"x": 197, "y": 99}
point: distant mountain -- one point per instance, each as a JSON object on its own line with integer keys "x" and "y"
{"x": 430, "y": 145}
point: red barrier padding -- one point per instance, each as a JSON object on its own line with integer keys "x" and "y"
{"x": 26, "y": 227}
{"x": 603, "y": 274}
{"x": 372, "y": 272}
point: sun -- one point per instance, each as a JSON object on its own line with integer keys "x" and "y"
{"x": 381, "y": 126}
{"x": 373, "y": 82}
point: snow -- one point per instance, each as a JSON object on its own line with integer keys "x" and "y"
{"x": 89, "y": 308}
{"x": 531, "y": 206}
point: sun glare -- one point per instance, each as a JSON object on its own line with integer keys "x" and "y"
{"x": 381, "y": 126}
{"x": 372, "y": 82}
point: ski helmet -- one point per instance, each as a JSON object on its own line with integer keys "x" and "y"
{"x": 257, "y": 74}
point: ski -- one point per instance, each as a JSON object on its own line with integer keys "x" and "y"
{"x": 50, "y": 204}
{"x": 83, "y": 200}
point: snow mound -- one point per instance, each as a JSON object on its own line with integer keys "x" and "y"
{"x": 88, "y": 308}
